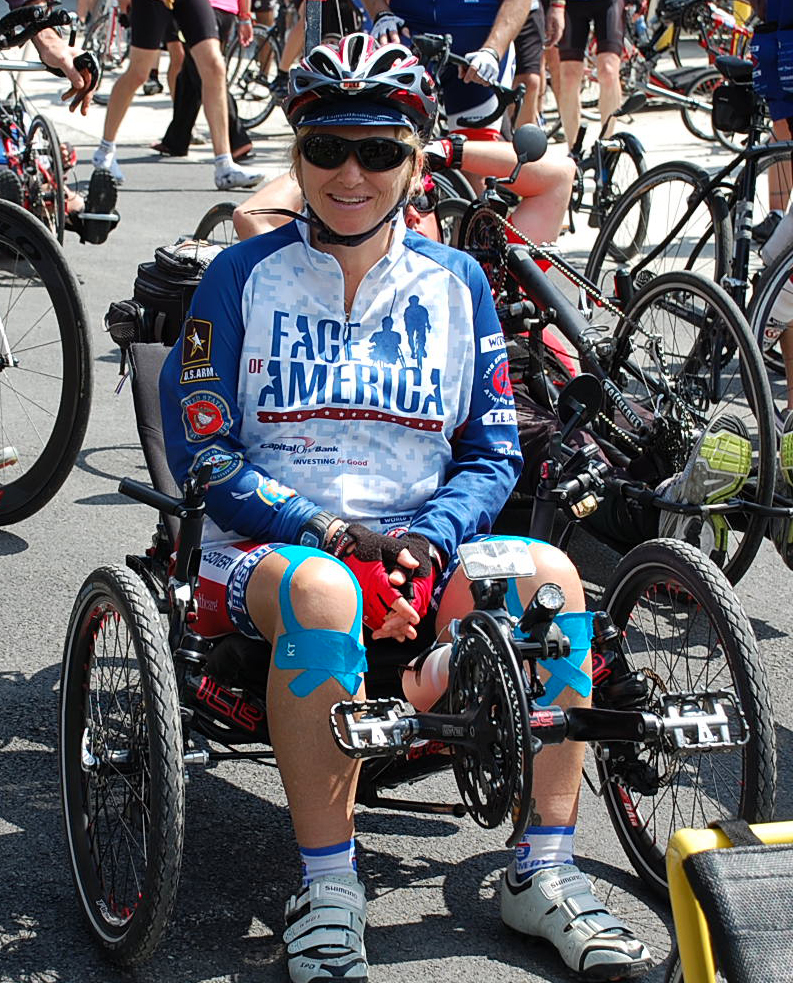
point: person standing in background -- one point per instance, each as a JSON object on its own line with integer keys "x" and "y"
{"x": 150, "y": 21}
{"x": 608, "y": 20}
{"x": 230, "y": 15}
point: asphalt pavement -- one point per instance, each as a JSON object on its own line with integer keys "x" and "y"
{"x": 432, "y": 881}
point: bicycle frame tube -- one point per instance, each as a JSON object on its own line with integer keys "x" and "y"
{"x": 570, "y": 322}
{"x": 737, "y": 283}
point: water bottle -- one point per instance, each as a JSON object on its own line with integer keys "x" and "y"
{"x": 782, "y": 311}
{"x": 424, "y": 684}
{"x": 640, "y": 27}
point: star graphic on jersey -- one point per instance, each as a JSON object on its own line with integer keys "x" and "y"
{"x": 197, "y": 342}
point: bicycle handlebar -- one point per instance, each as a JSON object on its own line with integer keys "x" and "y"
{"x": 431, "y": 47}
{"x": 19, "y": 26}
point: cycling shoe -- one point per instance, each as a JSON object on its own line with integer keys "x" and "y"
{"x": 557, "y": 904}
{"x": 324, "y": 933}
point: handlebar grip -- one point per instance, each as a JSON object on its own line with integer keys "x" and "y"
{"x": 152, "y": 497}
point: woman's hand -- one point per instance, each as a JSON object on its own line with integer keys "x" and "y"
{"x": 402, "y": 617}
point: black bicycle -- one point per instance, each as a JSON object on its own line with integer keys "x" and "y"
{"x": 45, "y": 347}
{"x": 672, "y": 354}
{"x": 681, "y": 726}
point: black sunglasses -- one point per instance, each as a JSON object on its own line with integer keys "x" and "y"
{"x": 328, "y": 151}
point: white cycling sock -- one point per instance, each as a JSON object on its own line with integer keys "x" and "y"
{"x": 336, "y": 859}
{"x": 223, "y": 162}
{"x": 543, "y": 846}
{"x": 107, "y": 147}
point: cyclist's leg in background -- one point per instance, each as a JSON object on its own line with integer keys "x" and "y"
{"x": 571, "y": 65}
{"x": 609, "y": 29}
{"x": 175, "y": 61}
{"x": 779, "y": 185}
{"x": 528, "y": 62}
{"x": 197, "y": 23}
{"x": 149, "y": 21}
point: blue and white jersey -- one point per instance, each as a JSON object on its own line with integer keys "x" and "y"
{"x": 398, "y": 416}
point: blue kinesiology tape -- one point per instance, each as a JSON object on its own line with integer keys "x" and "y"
{"x": 577, "y": 625}
{"x": 321, "y": 654}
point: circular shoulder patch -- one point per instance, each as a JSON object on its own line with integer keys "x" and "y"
{"x": 205, "y": 414}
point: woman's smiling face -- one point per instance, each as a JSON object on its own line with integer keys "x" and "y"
{"x": 350, "y": 199}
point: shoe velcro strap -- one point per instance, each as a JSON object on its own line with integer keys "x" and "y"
{"x": 325, "y": 938}
{"x": 594, "y": 922}
{"x": 325, "y": 892}
{"x": 582, "y": 904}
{"x": 341, "y": 918}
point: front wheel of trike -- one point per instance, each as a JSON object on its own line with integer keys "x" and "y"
{"x": 685, "y": 629}
{"x": 121, "y": 764}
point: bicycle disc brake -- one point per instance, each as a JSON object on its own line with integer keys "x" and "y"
{"x": 495, "y": 777}
{"x": 482, "y": 236}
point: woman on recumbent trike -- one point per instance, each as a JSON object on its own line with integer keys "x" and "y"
{"x": 351, "y": 453}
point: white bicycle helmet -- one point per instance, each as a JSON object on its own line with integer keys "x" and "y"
{"x": 358, "y": 82}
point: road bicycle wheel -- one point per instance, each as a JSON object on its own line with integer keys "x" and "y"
{"x": 217, "y": 226}
{"x": 684, "y": 354}
{"x": 644, "y": 218}
{"x": 121, "y": 764}
{"x": 685, "y": 629}
{"x": 770, "y": 311}
{"x": 109, "y": 41}
{"x": 250, "y": 73}
{"x": 674, "y": 971}
{"x": 623, "y": 163}
{"x": 42, "y": 166}
{"x": 45, "y": 366}
{"x": 453, "y": 184}
{"x": 450, "y": 213}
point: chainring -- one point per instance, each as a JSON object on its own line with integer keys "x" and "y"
{"x": 482, "y": 235}
{"x": 495, "y": 777}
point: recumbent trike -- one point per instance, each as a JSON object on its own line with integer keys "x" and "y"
{"x": 681, "y": 724}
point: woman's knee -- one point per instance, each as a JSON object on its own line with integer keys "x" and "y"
{"x": 554, "y": 566}
{"x": 324, "y": 594}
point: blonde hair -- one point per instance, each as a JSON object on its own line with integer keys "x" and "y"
{"x": 404, "y": 134}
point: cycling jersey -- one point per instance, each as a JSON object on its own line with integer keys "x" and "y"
{"x": 298, "y": 407}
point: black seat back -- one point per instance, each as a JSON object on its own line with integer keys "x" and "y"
{"x": 146, "y": 362}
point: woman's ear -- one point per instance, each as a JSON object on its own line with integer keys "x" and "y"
{"x": 416, "y": 184}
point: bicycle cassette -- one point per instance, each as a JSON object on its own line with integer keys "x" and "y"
{"x": 482, "y": 235}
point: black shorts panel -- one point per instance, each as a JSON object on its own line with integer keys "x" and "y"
{"x": 608, "y": 19}
{"x": 152, "y": 23}
{"x": 529, "y": 44}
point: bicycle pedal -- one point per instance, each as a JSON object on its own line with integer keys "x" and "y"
{"x": 372, "y": 728}
{"x": 698, "y": 722}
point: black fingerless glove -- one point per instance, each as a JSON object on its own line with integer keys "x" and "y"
{"x": 373, "y": 547}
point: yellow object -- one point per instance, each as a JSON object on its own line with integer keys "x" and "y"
{"x": 666, "y": 39}
{"x": 742, "y": 11}
{"x": 693, "y": 938}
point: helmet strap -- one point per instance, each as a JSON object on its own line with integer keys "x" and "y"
{"x": 325, "y": 234}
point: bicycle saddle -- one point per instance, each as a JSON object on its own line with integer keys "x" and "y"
{"x": 735, "y": 69}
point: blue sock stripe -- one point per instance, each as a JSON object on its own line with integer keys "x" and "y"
{"x": 550, "y": 830}
{"x": 326, "y": 851}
